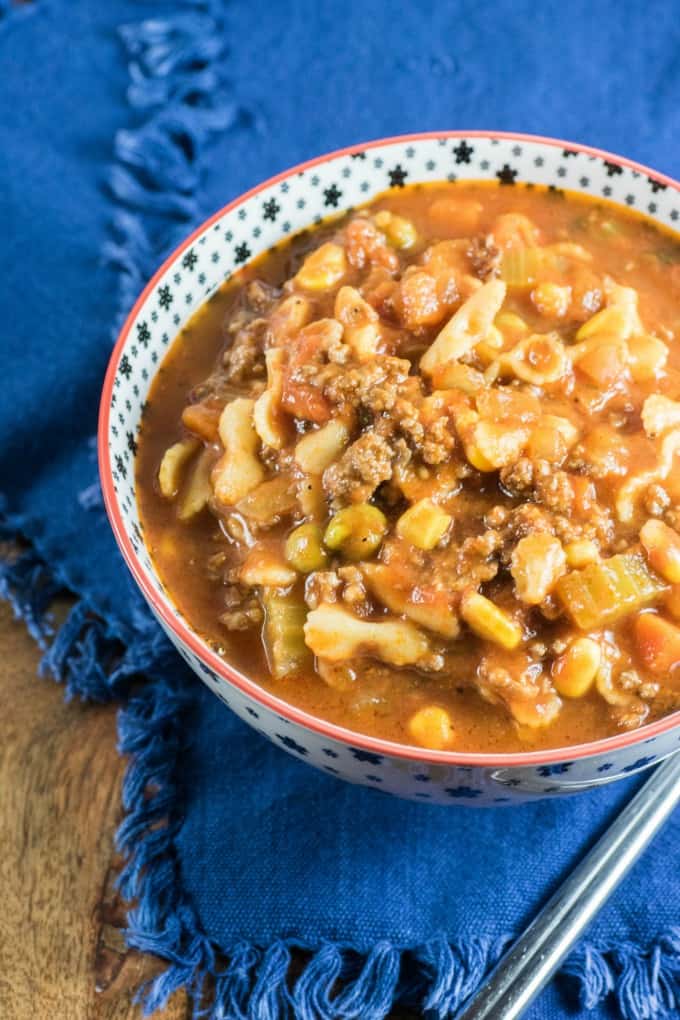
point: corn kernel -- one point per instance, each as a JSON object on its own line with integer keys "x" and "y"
{"x": 662, "y": 545}
{"x": 399, "y": 231}
{"x": 431, "y": 727}
{"x": 574, "y": 672}
{"x": 488, "y": 621}
{"x": 322, "y": 268}
{"x": 581, "y": 552}
{"x": 423, "y": 524}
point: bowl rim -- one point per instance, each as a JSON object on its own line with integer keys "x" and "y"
{"x": 251, "y": 688}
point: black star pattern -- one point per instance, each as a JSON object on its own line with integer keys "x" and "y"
{"x": 143, "y": 333}
{"x": 301, "y": 203}
{"x": 506, "y": 175}
{"x": 190, "y": 259}
{"x": 613, "y": 169}
{"x": 154, "y": 316}
{"x": 539, "y": 161}
{"x": 364, "y": 186}
{"x": 377, "y": 163}
{"x": 329, "y": 753}
{"x": 630, "y": 199}
{"x": 606, "y": 191}
{"x": 347, "y": 172}
{"x": 314, "y": 181}
{"x": 331, "y": 196}
{"x": 215, "y": 257}
{"x": 251, "y": 711}
{"x": 674, "y": 214}
{"x": 484, "y": 165}
{"x": 165, "y": 297}
{"x": 652, "y": 207}
{"x": 201, "y": 278}
{"x": 584, "y": 181}
{"x": 568, "y": 152}
{"x": 657, "y": 185}
{"x": 358, "y": 155}
{"x": 291, "y": 744}
{"x": 463, "y": 152}
{"x": 285, "y": 187}
{"x": 517, "y": 150}
{"x": 430, "y": 165}
{"x": 120, "y": 466}
{"x": 373, "y": 779}
{"x": 241, "y": 253}
{"x": 467, "y": 792}
{"x": 397, "y": 176}
{"x": 125, "y": 367}
{"x": 177, "y": 277}
{"x": 410, "y": 152}
{"x": 228, "y": 236}
{"x": 242, "y": 214}
{"x": 368, "y": 756}
{"x": 285, "y": 227}
{"x": 188, "y": 298}
{"x": 561, "y": 171}
{"x": 165, "y": 339}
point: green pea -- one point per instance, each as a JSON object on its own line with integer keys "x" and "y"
{"x": 304, "y": 550}
{"x": 356, "y": 531}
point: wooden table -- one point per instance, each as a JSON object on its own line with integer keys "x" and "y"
{"x": 61, "y": 950}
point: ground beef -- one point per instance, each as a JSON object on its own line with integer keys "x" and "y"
{"x": 243, "y": 608}
{"x": 518, "y": 479}
{"x": 373, "y": 387}
{"x": 244, "y": 359}
{"x": 485, "y": 257}
{"x": 360, "y": 470}
{"x": 345, "y": 584}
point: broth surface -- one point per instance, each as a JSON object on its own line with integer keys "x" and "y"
{"x": 458, "y": 239}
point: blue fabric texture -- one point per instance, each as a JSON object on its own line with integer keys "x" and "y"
{"x": 121, "y": 126}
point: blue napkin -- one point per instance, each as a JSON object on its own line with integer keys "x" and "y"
{"x": 122, "y": 125}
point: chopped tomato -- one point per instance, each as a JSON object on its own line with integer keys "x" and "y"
{"x": 658, "y": 645}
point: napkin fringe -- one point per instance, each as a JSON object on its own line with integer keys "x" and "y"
{"x": 90, "y": 657}
{"x": 176, "y": 88}
{"x": 328, "y": 980}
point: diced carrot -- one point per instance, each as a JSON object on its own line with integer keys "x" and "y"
{"x": 305, "y": 401}
{"x": 202, "y": 419}
{"x": 584, "y": 494}
{"x": 420, "y": 304}
{"x": 658, "y": 644}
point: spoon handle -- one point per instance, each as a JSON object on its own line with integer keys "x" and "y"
{"x": 536, "y": 955}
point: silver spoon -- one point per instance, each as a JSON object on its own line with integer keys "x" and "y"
{"x": 535, "y": 956}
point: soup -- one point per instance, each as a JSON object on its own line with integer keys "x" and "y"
{"x": 414, "y": 470}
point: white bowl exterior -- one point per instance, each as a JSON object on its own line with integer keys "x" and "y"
{"x": 253, "y": 225}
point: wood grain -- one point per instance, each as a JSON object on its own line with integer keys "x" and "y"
{"x": 61, "y": 949}
{"x": 62, "y": 953}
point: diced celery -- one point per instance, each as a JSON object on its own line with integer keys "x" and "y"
{"x": 284, "y": 636}
{"x": 606, "y": 590}
{"x": 520, "y": 266}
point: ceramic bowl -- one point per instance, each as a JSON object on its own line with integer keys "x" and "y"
{"x": 245, "y": 228}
